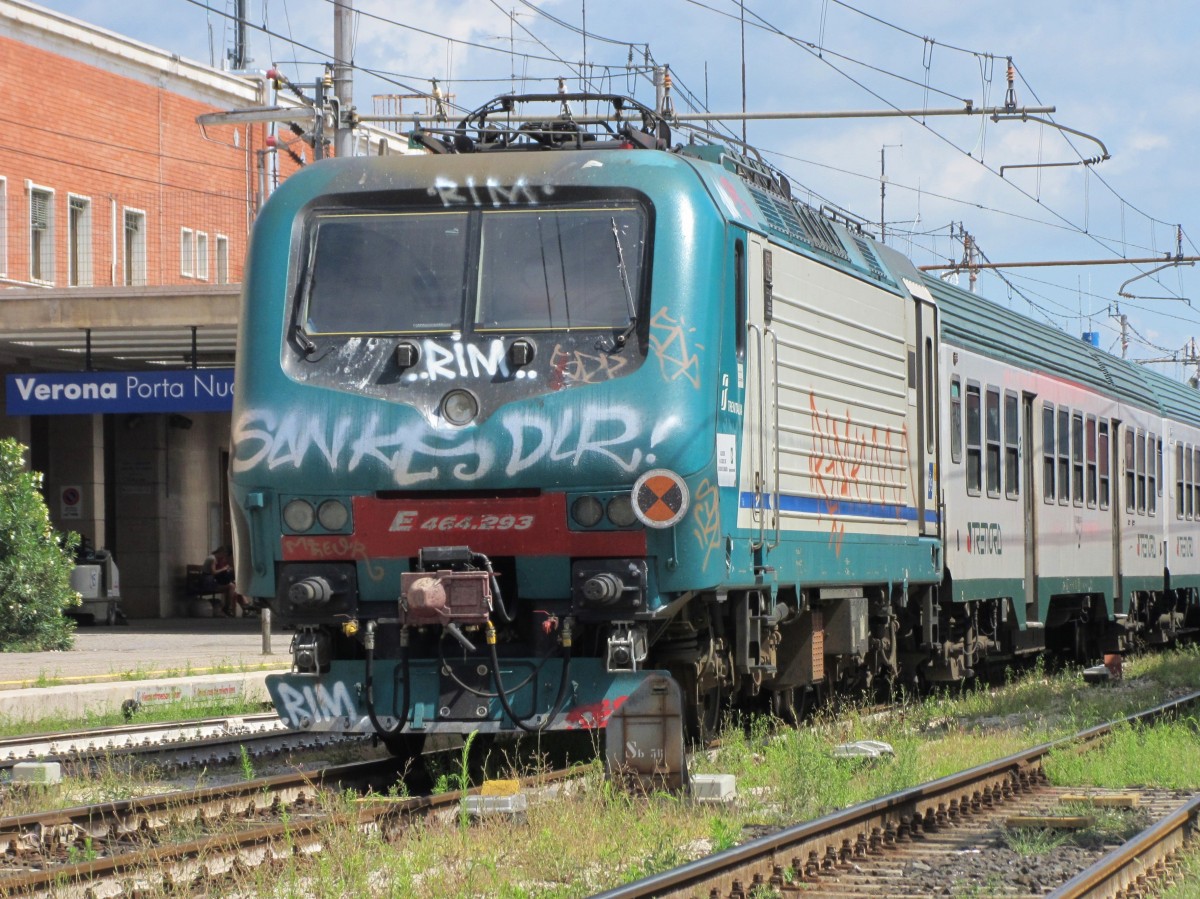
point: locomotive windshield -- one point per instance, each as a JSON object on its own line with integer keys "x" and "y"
{"x": 566, "y": 268}
{"x": 493, "y": 270}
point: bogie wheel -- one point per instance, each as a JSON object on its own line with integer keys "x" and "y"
{"x": 702, "y": 707}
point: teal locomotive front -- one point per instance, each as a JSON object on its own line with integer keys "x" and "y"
{"x": 475, "y": 433}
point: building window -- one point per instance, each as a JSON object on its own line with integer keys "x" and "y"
{"x": 79, "y": 241}
{"x": 187, "y": 251}
{"x": 1089, "y": 442}
{"x": 1064, "y": 456}
{"x": 201, "y": 255}
{"x": 1012, "y": 447}
{"x": 135, "y": 248}
{"x": 1077, "y": 458}
{"x": 956, "y": 420}
{"x": 974, "y": 438}
{"x": 41, "y": 234}
{"x": 223, "y": 259}
{"x": 1048, "y": 452}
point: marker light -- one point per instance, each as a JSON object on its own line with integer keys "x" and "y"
{"x": 587, "y": 511}
{"x": 333, "y": 515}
{"x": 298, "y": 515}
{"x": 620, "y": 511}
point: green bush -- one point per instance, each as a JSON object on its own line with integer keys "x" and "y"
{"x": 35, "y": 562}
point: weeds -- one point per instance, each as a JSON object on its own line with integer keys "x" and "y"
{"x": 247, "y": 762}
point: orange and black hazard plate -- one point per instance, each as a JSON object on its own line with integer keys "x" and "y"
{"x": 660, "y": 498}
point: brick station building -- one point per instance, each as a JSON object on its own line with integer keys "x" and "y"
{"x": 123, "y": 227}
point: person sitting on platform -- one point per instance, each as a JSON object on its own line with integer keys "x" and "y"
{"x": 218, "y": 578}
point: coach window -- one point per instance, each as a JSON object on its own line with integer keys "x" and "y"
{"x": 1188, "y": 484}
{"x": 1158, "y": 466}
{"x": 1048, "y": 452}
{"x": 1153, "y": 457}
{"x": 955, "y": 420}
{"x": 1140, "y": 446}
{"x": 1130, "y": 477}
{"x": 1077, "y": 458}
{"x": 1194, "y": 480}
{"x": 1104, "y": 459}
{"x": 1089, "y": 441}
{"x": 1012, "y": 468}
{"x": 1179, "y": 482}
{"x": 1064, "y": 456}
{"x": 993, "y": 441}
{"x": 974, "y": 437}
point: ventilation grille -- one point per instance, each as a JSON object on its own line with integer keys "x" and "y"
{"x": 870, "y": 259}
{"x": 798, "y": 223}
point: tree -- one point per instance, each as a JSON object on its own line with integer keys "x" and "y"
{"x": 35, "y": 562}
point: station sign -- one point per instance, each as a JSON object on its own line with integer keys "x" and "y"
{"x": 92, "y": 392}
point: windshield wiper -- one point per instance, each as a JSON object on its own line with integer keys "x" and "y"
{"x": 623, "y": 337}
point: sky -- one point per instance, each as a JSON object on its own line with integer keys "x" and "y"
{"x": 1120, "y": 76}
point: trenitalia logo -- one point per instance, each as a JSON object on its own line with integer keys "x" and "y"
{"x": 189, "y": 390}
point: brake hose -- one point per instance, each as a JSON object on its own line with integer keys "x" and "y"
{"x": 369, "y": 683}
{"x": 562, "y": 684}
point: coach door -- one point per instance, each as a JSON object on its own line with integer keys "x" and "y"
{"x": 762, "y": 398}
{"x": 928, "y": 494}
{"x": 1028, "y": 457}
{"x": 1117, "y": 480}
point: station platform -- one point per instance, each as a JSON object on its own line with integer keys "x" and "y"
{"x": 147, "y": 661}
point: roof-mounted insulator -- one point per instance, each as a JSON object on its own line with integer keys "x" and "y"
{"x": 439, "y": 102}
{"x": 668, "y": 105}
{"x": 1010, "y": 97}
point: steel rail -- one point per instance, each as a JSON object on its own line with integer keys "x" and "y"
{"x": 763, "y": 855}
{"x": 20, "y": 833}
{"x": 214, "y": 856}
{"x": 1142, "y": 858}
{"x": 67, "y": 744}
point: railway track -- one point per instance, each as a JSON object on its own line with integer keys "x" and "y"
{"x": 902, "y": 844}
{"x": 198, "y": 838}
{"x": 1137, "y": 866}
{"x": 200, "y": 742}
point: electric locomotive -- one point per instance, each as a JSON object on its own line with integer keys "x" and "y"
{"x": 557, "y": 419}
{"x": 524, "y": 423}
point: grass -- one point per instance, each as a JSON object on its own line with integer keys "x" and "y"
{"x": 183, "y": 710}
{"x": 141, "y": 672}
{"x": 595, "y": 836}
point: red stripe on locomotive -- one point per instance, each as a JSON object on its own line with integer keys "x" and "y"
{"x": 509, "y": 526}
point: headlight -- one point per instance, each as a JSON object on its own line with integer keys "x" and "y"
{"x": 459, "y": 407}
{"x": 620, "y": 511}
{"x": 587, "y": 511}
{"x": 298, "y": 515}
{"x": 333, "y": 515}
